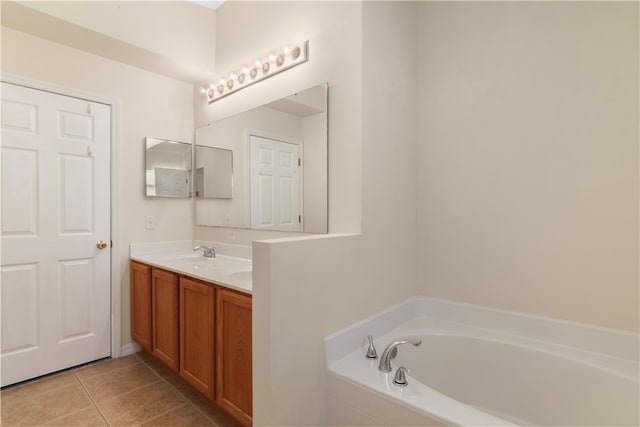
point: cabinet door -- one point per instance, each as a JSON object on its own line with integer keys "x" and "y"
{"x": 141, "y": 330}
{"x": 233, "y": 355}
{"x": 164, "y": 292}
{"x": 197, "y": 305}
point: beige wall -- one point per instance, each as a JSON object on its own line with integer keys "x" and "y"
{"x": 179, "y": 30}
{"x": 528, "y": 158}
{"x": 148, "y": 105}
{"x": 307, "y": 288}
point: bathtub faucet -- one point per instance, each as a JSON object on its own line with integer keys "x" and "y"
{"x": 392, "y": 351}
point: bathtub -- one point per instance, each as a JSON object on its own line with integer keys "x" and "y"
{"x": 483, "y": 367}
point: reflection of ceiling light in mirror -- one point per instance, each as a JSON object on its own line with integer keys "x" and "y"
{"x": 283, "y": 59}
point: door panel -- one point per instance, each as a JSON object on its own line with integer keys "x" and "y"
{"x": 19, "y": 194}
{"x": 19, "y": 307}
{"x": 55, "y": 206}
{"x": 76, "y": 193}
{"x": 165, "y": 317}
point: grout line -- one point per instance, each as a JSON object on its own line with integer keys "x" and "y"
{"x": 93, "y": 402}
{"x": 182, "y": 394}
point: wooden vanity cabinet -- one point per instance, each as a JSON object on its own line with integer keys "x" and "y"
{"x": 200, "y": 330}
{"x": 197, "y": 317}
{"x": 165, "y": 317}
{"x": 141, "y": 329}
{"x": 233, "y": 355}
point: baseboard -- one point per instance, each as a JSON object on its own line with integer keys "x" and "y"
{"x": 129, "y": 348}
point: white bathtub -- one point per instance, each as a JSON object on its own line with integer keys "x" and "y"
{"x": 484, "y": 367}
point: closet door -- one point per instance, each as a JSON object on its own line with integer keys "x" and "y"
{"x": 55, "y": 233}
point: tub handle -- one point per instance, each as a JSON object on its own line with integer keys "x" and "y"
{"x": 371, "y": 351}
{"x": 400, "y": 378}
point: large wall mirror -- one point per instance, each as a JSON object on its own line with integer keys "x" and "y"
{"x": 168, "y": 168}
{"x": 277, "y": 179}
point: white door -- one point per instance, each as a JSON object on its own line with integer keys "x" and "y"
{"x": 55, "y": 209}
{"x": 274, "y": 185}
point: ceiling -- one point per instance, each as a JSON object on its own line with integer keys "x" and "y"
{"x": 206, "y": 3}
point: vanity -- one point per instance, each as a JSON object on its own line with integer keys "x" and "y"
{"x": 193, "y": 314}
{"x": 262, "y": 169}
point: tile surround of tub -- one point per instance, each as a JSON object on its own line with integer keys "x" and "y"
{"x": 133, "y": 390}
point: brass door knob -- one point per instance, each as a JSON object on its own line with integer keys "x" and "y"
{"x": 101, "y": 244}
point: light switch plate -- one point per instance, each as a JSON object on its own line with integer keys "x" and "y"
{"x": 150, "y": 222}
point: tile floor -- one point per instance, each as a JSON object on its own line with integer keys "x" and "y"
{"x": 134, "y": 390}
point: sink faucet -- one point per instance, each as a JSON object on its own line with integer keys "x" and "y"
{"x": 207, "y": 252}
{"x": 391, "y": 351}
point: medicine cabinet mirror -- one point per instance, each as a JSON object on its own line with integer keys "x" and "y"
{"x": 168, "y": 168}
{"x": 278, "y": 174}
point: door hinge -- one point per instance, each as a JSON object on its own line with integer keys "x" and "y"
{"x": 111, "y": 243}
{"x": 299, "y": 162}
{"x": 299, "y": 219}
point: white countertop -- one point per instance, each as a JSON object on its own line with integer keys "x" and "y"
{"x": 229, "y": 271}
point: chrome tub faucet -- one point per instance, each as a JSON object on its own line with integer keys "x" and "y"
{"x": 392, "y": 351}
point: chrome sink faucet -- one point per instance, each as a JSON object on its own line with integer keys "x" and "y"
{"x": 392, "y": 351}
{"x": 207, "y": 252}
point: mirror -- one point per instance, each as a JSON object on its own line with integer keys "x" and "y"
{"x": 214, "y": 173}
{"x": 168, "y": 168}
{"x": 278, "y": 162}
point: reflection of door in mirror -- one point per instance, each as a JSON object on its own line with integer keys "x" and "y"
{"x": 275, "y": 187}
{"x": 171, "y": 182}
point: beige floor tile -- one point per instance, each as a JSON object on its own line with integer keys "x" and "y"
{"x": 212, "y": 412}
{"x": 89, "y": 417}
{"x": 116, "y": 382}
{"x": 38, "y": 386}
{"x": 158, "y": 367}
{"x": 39, "y": 408}
{"x": 141, "y": 405}
{"x": 183, "y": 416}
{"x": 106, "y": 366}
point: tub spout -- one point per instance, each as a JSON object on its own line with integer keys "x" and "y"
{"x": 391, "y": 351}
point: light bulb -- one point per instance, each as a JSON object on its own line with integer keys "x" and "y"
{"x": 203, "y": 90}
{"x": 287, "y": 50}
{"x": 245, "y": 70}
{"x": 272, "y": 58}
{"x": 211, "y": 86}
{"x": 258, "y": 63}
{"x": 221, "y": 81}
{"x": 233, "y": 76}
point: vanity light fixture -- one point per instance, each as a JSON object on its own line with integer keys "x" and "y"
{"x": 262, "y": 68}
